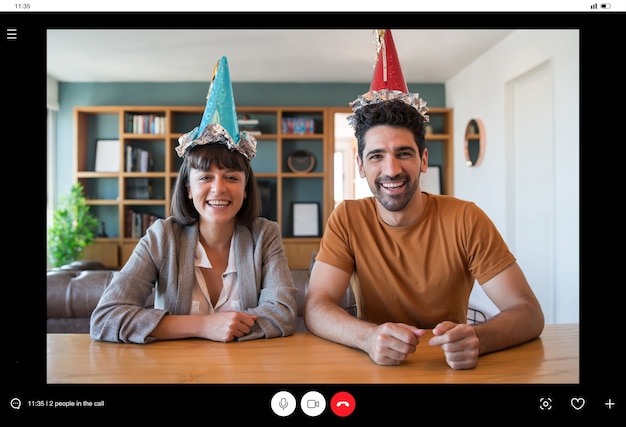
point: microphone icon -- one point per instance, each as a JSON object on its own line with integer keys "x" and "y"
{"x": 283, "y": 403}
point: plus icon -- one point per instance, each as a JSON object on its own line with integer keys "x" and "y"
{"x": 609, "y": 403}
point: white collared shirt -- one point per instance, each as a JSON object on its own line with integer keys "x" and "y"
{"x": 229, "y": 297}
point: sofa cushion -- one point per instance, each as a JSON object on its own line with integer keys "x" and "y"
{"x": 74, "y": 293}
{"x": 83, "y": 265}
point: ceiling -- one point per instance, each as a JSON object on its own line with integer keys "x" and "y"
{"x": 290, "y": 56}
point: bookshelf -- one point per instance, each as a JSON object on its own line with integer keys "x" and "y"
{"x": 439, "y": 141}
{"x": 144, "y": 187}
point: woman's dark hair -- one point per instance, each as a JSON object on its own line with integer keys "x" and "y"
{"x": 201, "y": 157}
{"x": 394, "y": 113}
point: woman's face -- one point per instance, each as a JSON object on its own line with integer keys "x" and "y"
{"x": 217, "y": 194}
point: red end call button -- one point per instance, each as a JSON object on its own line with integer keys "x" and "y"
{"x": 342, "y": 404}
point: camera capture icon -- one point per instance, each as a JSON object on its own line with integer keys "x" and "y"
{"x": 545, "y": 403}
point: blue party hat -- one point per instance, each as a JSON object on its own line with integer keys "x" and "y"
{"x": 219, "y": 121}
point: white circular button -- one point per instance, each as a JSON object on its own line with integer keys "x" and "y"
{"x": 313, "y": 403}
{"x": 283, "y": 403}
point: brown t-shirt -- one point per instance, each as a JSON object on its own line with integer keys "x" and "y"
{"x": 420, "y": 274}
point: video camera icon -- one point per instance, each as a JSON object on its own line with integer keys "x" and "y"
{"x": 313, "y": 403}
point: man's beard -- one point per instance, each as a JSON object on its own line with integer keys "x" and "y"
{"x": 399, "y": 201}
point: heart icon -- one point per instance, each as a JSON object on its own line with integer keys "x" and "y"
{"x": 577, "y": 403}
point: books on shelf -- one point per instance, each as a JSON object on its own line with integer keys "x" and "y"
{"x": 249, "y": 125}
{"x": 138, "y": 160}
{"x": 298, "y": 125}
{"x": 107, "y": 155}
{"x": 143, "y": 159}
{"x": 136, "y": 223}
{"x": 138, "y": 189}
{"x": 145, "y": 123}
{"x": 248, "y": 122}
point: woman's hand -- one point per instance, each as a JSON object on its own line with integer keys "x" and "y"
{"x": 225, "y": 326}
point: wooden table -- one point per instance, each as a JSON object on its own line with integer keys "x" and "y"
{"x": 302, "y": 359}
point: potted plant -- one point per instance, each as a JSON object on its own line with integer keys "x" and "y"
{"x": 73, "y": 227}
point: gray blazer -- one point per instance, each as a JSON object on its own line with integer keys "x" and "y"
{"x": 164, "y": 258}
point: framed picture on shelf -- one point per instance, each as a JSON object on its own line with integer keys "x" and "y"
{"x": 306, "y": 219}
{"x": 107, "y": 155}
{"x": 430, "y": 181}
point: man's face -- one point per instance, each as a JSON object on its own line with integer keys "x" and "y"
{"x": 392, "y": 165}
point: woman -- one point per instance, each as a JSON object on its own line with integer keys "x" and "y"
{"x": 219, "y": 268}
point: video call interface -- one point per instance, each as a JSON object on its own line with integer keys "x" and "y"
{"x": 28, "y": 395}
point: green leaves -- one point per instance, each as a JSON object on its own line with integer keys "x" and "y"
{"x": 73, "y": 228}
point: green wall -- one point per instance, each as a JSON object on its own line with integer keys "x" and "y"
{"x": 246, "y": 94}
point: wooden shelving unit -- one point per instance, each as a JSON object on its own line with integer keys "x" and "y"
{"x": 112, "y": 194}
{"x": 440, "y": 144}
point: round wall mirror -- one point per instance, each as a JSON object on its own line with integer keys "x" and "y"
{"x": 475, "y": 142}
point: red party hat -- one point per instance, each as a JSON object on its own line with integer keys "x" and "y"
{"x": 388, "y": 82}
{"x": 387, "y": 70}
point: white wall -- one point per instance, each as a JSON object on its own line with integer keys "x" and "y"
{"x": 480, "y": 91}
{"x": 52, "y": 89}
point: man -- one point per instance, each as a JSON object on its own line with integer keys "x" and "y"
{"x": 414, "y": 256}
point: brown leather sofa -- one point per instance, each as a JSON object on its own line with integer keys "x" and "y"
{"x": 74, "y": 290}
{"x": 72, "y": 293}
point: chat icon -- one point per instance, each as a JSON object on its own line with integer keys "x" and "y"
{"x": 16, "y": 403}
